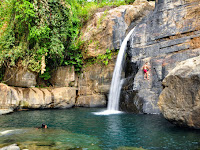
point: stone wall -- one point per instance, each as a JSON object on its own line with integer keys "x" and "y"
{"x": 164, "y": 38}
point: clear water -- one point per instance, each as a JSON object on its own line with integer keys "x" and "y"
{"x": 80, "y": 128}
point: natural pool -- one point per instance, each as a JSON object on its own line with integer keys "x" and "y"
{"x": 80, "y": 128}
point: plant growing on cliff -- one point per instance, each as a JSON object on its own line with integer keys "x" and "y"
{"x": 102, "y": 58}
{"x": 101, "y": 18}
{"x": 105, "y": 57}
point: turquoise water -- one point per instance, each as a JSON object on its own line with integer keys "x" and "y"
{"x": 80, "y": 128}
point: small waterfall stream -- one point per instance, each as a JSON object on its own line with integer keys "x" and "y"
{"x": 116, "y": 84}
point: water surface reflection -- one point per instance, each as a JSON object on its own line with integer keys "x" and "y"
{"x": 81, "y": 128}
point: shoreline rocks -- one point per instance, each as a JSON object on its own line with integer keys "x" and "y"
{"x": 35, "y": 98}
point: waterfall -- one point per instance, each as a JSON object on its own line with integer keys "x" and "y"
{"x": 116, "y": 84}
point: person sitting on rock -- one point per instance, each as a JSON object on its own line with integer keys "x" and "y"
{"x": 146, "y": 68}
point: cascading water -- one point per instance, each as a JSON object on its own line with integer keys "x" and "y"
{"x": 116, "y": 84}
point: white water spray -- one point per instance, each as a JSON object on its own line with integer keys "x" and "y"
{"x": 116, "y": 84}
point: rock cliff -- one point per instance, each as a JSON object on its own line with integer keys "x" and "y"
{"x": 107, "y": 29}
{"x": 180, "y": 100}
{"x": 169, "y": 35}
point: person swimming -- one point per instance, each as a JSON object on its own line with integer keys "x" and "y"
{"x": 43, "y": 126}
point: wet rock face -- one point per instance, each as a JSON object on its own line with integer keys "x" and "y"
{"x": 169, "y": 35}
{"x": 180, "y": 100}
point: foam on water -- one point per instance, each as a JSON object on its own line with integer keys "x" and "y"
{"x": 108, "y": 112}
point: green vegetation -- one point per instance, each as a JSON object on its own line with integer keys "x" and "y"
{"x": 102, "y": 59}
{"x": 32, "y": 29}
{"x": 102, "y": 18}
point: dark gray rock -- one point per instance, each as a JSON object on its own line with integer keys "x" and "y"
{"x": 119, "y": 31}
{"x": 164, "y": 38}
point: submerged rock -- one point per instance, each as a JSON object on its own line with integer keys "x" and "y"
{"x": 50, "y": 139}
{"x": 169, "y": 35}
{"x": 129, "y": 148}
{"x": 180, "y": 100}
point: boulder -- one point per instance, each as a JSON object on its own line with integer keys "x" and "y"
{"x": 179, "y": 101}
{"x": 63, "y": 76}
{"x": 64, "y": 97}
{"x": 107, "y": 29}
{"x": 36, "y": 98}
{"x": 20, "y": 77}
{"x": 167, "y": 36}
